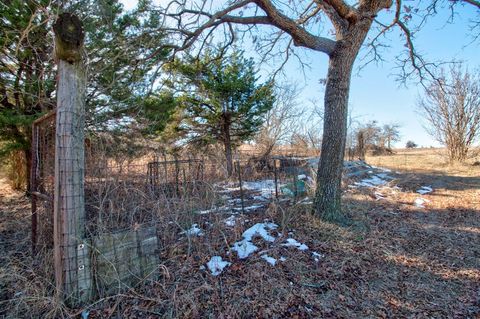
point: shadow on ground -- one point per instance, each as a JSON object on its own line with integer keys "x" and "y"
{"x": 397, "y": 261}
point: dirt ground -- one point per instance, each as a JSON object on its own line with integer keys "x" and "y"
{"x": 396, "y": 260}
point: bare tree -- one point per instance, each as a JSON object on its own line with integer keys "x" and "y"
{"x": 368, "y": 136}
{"x": 371, "y": 136}
{"x": 451, "y": 107}
{"x": 310, "y": 124}
{"x": 391, "y": 133}
{"x": 280, "y": 122}
{"x": 304, "y": 24}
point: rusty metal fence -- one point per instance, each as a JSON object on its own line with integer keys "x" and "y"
{"x": 127, "y": 201}
{"x": 42, "y": 181}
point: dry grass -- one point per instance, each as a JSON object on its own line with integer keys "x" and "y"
{"x": 396, "y": 261}
{"x": 426, "y": 160}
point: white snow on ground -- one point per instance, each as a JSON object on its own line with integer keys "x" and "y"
{"x": 293, "y": 243}
{"x": 245, "y": 248}
{"x": 375, "y": 180}
{"x": 382, "y": 169}
{"x": 316, "y": 256}
{"x": 213, "y": 209}
{"x": 378, "y": 196}
{"x": 230, "y": 221}
{"x": 282, "y": 259}
{"x": 193, "y": 231}
{"x": 261, "y": 230}
{"x": 265, "y": 187}
{"x": 306, "y": 201}
{"x": 260, "y": 198}
{"x": 272, "y": 261}
{"x": 207, "y": 211}
{"x": 425, "y": 190}
{"x": 248, "y": 208}
{"x": 419, "y": 202}
{"x": 216, "y": 265}
{"x": 383, "y": 175}
{"x": 228, "y": 190}
{"x": 302, "y": 176}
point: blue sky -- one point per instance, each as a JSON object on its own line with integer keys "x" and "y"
{"x": 375, "y": 95}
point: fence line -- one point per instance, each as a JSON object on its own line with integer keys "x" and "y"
{"x": 126, "y": 202}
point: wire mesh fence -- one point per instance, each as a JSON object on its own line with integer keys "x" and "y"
{"x": 42, "y": 181}
{"x": 130, "y": 201}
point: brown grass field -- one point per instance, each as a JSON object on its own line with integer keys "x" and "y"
{"x": 395, "y": 260}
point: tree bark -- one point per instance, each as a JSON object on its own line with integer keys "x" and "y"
{"x": 227, "y": 142}
{"x": 327, "y": 203}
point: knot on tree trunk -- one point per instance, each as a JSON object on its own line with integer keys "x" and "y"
{"x": 69, "y": 36}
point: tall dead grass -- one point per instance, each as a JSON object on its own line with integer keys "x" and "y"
{"x": 426, "y": 160}
{"x": 16, "y": 170}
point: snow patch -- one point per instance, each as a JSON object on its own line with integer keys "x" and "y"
{"x": 245, "y": 248}
{"x": 424, "y": 190}
{"x": 379, "y": 196}
{"x": 306, "y": 201}
{"x": 261, "y": 230}
{"x": 248, "y": 208}
{"x": 216, "y": 265}
{"x": 265, "y": 187}
{"x": 294, "y": 243}
{"x": 382, "y": 169}
{"x": 230, "y": 221}
{"x": 272, "y": 261}
{"x": 213, "y": 209}
{"x": 193, "y": 231}
{"x": 316, "y": 256}
{"x": 419, "y": 202}
{"x": 373, "y": 181}
{"x": 234, "y": 201}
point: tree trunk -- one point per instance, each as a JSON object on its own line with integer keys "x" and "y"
{"x": 227, "y": 143}
{"x": 327, "y": 203}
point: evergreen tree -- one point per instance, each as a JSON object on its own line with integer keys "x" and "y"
{"x": 220, "y": 100}
{"x": 120, "y": 61}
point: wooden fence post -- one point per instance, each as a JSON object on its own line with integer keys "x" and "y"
{"x": 71, "y": 256}
{"x": 276, "y": 177}
{"x": 241, "y": 186}
{"x": 33, "y": 187}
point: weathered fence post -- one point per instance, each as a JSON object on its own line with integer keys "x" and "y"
{"x": 33, "y": 187}
{"x": 72, "y": 266}
{"x": 276, "y": 177}
{"x": 295, "y": 189}
{"x": 177, "y": 176}
{"x": 241, "y": 186}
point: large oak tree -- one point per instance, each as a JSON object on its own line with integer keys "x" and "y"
{"x": 307, "y": 24}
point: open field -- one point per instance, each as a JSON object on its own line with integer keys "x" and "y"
{"x": 426, "y": 160}
{"x": 399, "y": 258}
